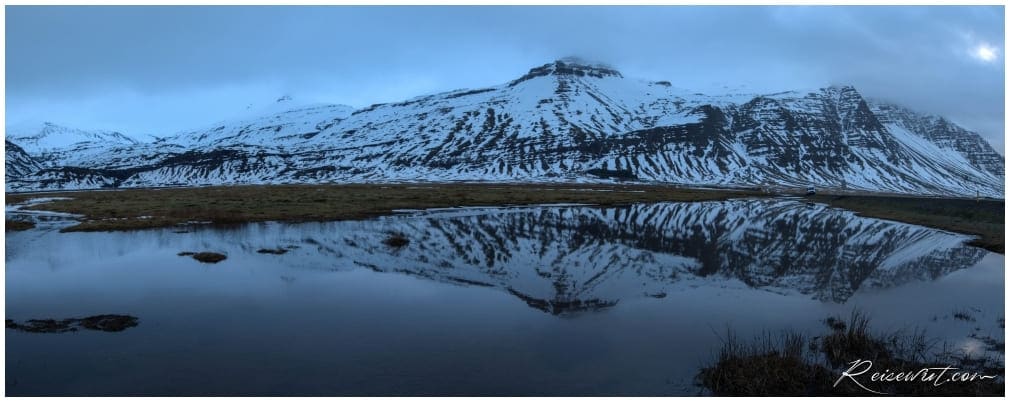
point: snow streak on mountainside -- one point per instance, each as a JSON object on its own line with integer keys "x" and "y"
{"x": 18, "y": 163}
{"x": 563, "y": 121}
{"x": 54, "y": 145}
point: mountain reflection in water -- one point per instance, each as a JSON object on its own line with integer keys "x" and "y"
{"x": 636, "y": 297}
{"x": 564, "y": 259}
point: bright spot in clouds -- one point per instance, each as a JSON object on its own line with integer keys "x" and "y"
{"x": 985, "y": 52}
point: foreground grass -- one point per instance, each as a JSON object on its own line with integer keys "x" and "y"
{"x": 152, "y": 208}
{"x": 983, "y": 218}
{"x": 794, "y": 365}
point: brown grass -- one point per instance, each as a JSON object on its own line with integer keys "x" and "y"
{"x": 763, "y": 368}
{"x": 795, "y": 365}
{"x": 204, "y": 256}
{"x": 852, "y": 341}
{"x": 982, "y": 218}
{"x": 135, "y": 209}
{"x": 210, "y": 258}
{"x": 153, "y": 208}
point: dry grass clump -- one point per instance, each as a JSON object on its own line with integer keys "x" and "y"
{"x": 204, "y": 256}
{"x": 794, "y": 365}
{"x": 767, "y": 367}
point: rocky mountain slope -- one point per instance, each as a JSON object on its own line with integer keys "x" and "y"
{"x": 18, "y": 163}
{"x": 564, "y": 121}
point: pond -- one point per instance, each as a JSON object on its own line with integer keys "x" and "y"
{"x": 565, "y": 300}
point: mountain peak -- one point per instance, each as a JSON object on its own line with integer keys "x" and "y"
{"x": 36, "y": 137}
{"x": 570, "y": 67}
{"x": 843, "y": 89}
{"x": 581, "y": 62}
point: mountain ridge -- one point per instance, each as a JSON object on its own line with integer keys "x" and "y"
{"x": 561, "y": 121}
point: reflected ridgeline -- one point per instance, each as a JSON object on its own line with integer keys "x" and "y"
{"x": 568, "y": 259}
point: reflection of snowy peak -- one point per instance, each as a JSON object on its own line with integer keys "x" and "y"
{"x": 571, "y": 258}
{"x": 563, "y": 259}
{"x": 568, "y": 121}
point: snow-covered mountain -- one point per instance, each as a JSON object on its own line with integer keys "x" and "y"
{"x": 18, "y": 163}
{"x": 55, "y": 145}
{"x": 564, "y": 121}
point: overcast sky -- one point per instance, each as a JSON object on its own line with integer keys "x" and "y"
{"x": 158, "y": 70}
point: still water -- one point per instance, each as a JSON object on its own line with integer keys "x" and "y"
{"x": 547, "y": 300}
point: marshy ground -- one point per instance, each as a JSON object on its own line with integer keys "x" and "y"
{"x": 149, "y": 208}
{"x": 131, "y": 209}
{"x": 797, "y": 365}
{"x": 104, "y": 322}
{"x": 982, "y": 218}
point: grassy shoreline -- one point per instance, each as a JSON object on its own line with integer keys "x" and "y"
{"x": 796, "y": 364}
{"x": 133, "y": 209}
{"x": 982, "y": 218}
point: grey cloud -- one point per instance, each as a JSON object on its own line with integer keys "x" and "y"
{"x": 160, "y": 69}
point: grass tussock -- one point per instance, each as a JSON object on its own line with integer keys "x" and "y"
{"x": 766, "y": 367}
{"x": 795, "y": 365}
{"x": 852, "y": 340}
{"x": 11, "y": 225}
{"x": 963, "y": 315}
{"x": 204, "y": 256}
{"x": 210, "y": 258}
